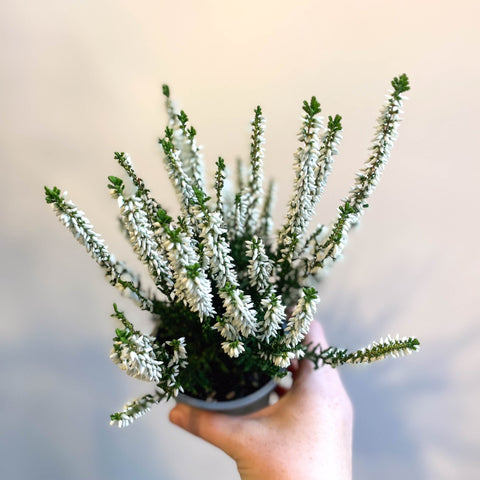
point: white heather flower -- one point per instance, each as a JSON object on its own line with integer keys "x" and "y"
{"x": 234, "y": 348}
{"x": 226, "y": 329}
{"x": 134, "y": 186}
{"x": 330, "y": 141}
{"x": 137, "y": 355}
{"x": 143, "y": 240}
{"x": 190, "y": 155}
{"x": 282, "y": 360}
{"x": 185, "y": 142}
{"x": 274, "y": 317}
{"x": 216, "y": 247}
{"x": 169, "y": 386}
{"x": 239, "y": 311}
{"x": 302, "y": 204}
{"x": 133, "y": 410}
{"x": 299, "y": 322}
{"x": 259, "y": 266}
{"x": 180, "y": 180}
{"x": 191, "y": 283}
{"x": 179, "y": 355}
{"x": 75, "y": 220}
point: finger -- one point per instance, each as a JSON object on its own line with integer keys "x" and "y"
{"x": 316, "y": 335}
{"x": 213, "y": 427}
{"x": 307, "y": 375}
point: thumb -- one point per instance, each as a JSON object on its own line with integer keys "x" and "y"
{"x": 216, "y": 428}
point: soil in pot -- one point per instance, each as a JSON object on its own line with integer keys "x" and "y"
{"x": 210, "y": 374}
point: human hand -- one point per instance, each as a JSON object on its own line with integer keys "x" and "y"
{"x": 306, "y": 435}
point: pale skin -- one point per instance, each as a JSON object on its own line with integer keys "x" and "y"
{"x": 306, "y": 435}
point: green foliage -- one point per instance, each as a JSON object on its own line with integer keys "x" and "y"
{"x": 52, "y": 195}
{"x": 120, "y": 316}
{"x": 312, "y": 108}
{"x": 193, "y": 270}
{"x": 400, "y": 85}
{"x": 202, "y": 198}
{"x": 310, "y": 294}
{"x": 116, "y": 185}
{"x": 182, "y": 118}
{"x": 219, "y": 182}
{"x": 164, "y": 219}
{"x": 191, "y": 132}
{"x": 124, "y": 162}
{"x": 335, "y": 123}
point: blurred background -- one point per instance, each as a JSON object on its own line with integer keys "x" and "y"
{"x": 82, "y": 79}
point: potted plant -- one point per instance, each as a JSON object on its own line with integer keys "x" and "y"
{"x": 224, "y": 279}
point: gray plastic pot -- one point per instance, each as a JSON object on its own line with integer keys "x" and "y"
{"x": 239, "y": 406}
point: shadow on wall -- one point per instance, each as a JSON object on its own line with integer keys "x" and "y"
{"x": 54, "y": 423}
{"x": 406, "y": 411}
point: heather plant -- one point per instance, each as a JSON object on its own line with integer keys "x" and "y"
{"x": 233, "y": 299}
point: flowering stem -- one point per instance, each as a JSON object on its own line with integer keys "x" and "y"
{"x": 254, "y": 193}
{"x": 300, "y": 206}
{"x": 335, "y": 357}
{"x": 116, "y": 272}
{"x": 134, "y": 216}
{"x": 150, "y": 204}
{"x": 219, "y": 184}
{"x": 355, "y": 203}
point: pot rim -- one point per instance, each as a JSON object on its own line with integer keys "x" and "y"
{"x": 226, "y": 405}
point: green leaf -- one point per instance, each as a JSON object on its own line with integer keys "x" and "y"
{"x": 310, "y": 294}
{"x": 116, "y": 184}
{"x": 335, "y": 123}
{"x": 163, "y": 218}
{"x": 183, "y": 118}
{"x": 312, "y": 108}
{"x": 166, "y": 144}
{"x": 400, "y": 85}
{"x": 201, "y": 196}
{"x": 52, "y": 195}
{"x": 115, "y": 180}
{"x": 193, "y": 270}
{"x": 191, "y": 133}
{"x": 169, "y": 133}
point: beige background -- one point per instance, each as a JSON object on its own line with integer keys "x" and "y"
{"x": 81, "y": 79}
